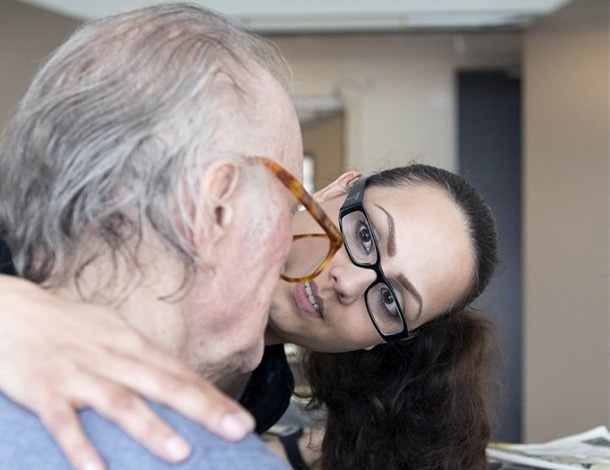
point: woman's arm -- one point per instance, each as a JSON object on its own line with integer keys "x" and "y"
{"x": 57, "y": 357}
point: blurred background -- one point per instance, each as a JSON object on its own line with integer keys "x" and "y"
{"x": 513, "y": 94}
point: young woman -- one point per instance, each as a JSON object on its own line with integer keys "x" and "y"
{"x": 398, "y": 361}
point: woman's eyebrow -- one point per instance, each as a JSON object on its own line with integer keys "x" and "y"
{"x": 391, "y": 245}
{"x": 391, "y": 248}
{"x": 411, "y": 288}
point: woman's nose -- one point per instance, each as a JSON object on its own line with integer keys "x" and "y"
{"x": 350, "y": 281}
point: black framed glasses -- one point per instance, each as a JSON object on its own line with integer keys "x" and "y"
{"x": 361, "y": 244}
{"x": 310, "y": 252}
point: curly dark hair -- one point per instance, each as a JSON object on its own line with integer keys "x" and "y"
{"x": 420, "y": 404}
{"x": 424, "y": 403}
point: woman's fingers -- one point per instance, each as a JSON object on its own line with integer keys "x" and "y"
{"x": 134, "y": 362}
{"x": 61, "y": 420}
{"x": 170, "y": 383}
{"x": 115, "y": 403}
{"x": 77, "y": 384}
{"x": 126, "y": 409}
{"x": 57, "y": 398}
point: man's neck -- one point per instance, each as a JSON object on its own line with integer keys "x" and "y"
{"x": 140, "y": 303}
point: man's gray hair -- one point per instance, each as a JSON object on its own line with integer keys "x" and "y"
{"x": 114, "y": 132}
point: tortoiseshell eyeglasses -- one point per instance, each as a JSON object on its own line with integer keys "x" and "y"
{"x": 311, "y": 251}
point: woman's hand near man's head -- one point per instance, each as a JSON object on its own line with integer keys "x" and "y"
{"x": 57, "y": 357}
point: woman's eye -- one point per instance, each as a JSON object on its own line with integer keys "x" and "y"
{"x": 387, "y": 297}
{"x": 365, "y": 239}
{"x": 388, "y": 302}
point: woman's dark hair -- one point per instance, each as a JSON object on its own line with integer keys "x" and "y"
{"x": 423, "y": 403}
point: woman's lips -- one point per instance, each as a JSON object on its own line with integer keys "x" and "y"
{"x": 302, "y": 298}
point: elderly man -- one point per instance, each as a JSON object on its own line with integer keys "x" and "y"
{"x": 127, "y": 180}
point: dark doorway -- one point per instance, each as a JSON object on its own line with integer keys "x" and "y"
{"x": 489, "y": 117}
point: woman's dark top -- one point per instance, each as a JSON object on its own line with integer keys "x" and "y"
{"x": 267, "y": 393}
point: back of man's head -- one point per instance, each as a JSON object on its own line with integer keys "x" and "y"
{"x": 113, "y": 134}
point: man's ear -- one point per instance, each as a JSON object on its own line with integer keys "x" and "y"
{"x": 339, "y": 187}
{"x": 219, "y": 185}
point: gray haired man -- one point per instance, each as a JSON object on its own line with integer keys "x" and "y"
{"x": 125, "y": 181}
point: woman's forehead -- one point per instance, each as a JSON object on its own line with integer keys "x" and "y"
{"x": 413, "y": 198}
{"x": 433, "y": 245}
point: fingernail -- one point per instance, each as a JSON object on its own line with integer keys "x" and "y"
{"x": 237, "y": 425}
{"x": 92, "y": 466}
{"x": 177, "y": 448}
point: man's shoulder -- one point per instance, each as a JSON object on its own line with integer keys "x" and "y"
{"x": 28, "y": 446}
{"x": 213, "y": 452}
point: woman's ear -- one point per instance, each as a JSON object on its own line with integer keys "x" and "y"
{"x": 215, "y": 214}
{"x": 339, "y": 187}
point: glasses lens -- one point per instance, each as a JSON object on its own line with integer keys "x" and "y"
{"x": 384, "y": 309}
{"x": 306, "y": 255}
{"x": 309, "y": 248}
{"x": 358, "y": 238}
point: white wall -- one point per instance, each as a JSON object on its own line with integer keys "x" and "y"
{"x": 390, "y": 12}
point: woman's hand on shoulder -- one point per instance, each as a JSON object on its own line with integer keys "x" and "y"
{"x": 57, "y": 357}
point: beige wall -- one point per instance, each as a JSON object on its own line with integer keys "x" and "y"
{"x": 399, "y": 91}
{"x": 566, "y": 219}
{"x": 27, "y": 35}
{"x": 400, "y": 105}
{"x": 323, "y": 141}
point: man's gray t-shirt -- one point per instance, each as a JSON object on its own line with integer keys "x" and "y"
{"x": 26, "y": 445}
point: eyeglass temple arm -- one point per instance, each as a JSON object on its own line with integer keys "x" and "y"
{"x": 323, "y": 219}
{"x": 355, "y": 196}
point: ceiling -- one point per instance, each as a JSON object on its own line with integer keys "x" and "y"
{"x": 324, "y": 16}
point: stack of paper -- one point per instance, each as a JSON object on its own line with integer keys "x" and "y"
{"x": 589, "y": 450}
